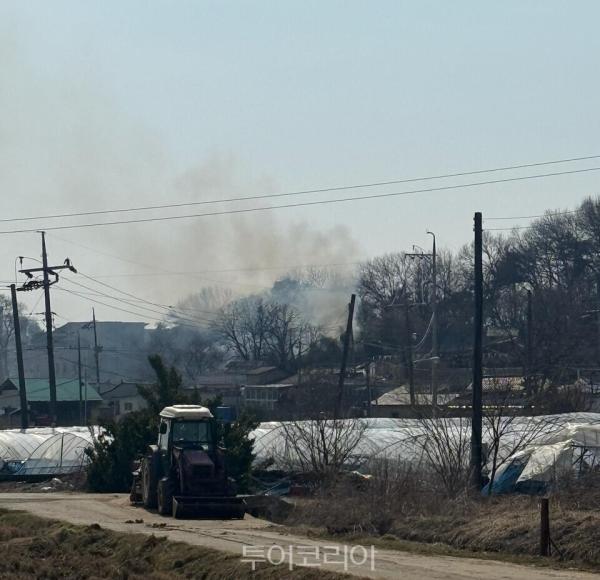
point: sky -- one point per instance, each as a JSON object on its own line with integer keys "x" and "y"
{"x": 111, "y": 105}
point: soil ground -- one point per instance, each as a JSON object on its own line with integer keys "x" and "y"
{"x": 114, "y": 512}
{"x": 33, "y": 547}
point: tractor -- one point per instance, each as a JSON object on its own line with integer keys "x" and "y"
{"x": 184, "y": 474}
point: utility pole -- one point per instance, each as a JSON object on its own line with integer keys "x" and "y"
{"x": 79, "y": 378}
{"x": 345, "y": 351}
{"x": 96, "y": 349}
{"x": 598, "y": 315}
{"x": 3, "y": 360}
{"x": 369, "y": 393}
{"x": 20, "y": 368}
{"x": 434, "y": 327}
{"x": 528, "y": 376}
{"x": 300, "y": 361}
{"x": 409, "y": 353}
{"x": 32, "y": 284}
{"x": 476, "y": 423}
{"x": 85, "y": 405}
{"x": 49, "y": 338}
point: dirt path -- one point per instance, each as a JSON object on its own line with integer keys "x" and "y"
{"x": 114, "y": 512}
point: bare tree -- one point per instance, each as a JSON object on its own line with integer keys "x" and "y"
{"x": 258, "y": 329}
{"x": 322, "y": 445}
{"x": 244, "y": 324}
{"x": 385, "y": 280}
{"x": 445, "y": 443}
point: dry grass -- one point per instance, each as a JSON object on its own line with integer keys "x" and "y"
{"x": 504, "y": 526}
{"x": 37, "y": 548}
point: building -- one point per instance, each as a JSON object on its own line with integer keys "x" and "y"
{"x": 123, "y": 349}
{"x": 263, "y": 397}
{"x": 119, "y": 400}
{"x": 69, "y": 403}
{"x": 223, "y": 385}
{"x": 397, "y": 404}
{"x": 265, "y": 375}
{"x": 242, "y": 385}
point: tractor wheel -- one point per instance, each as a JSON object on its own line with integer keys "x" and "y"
{"x": 149, "y": 481}
{"x": 165, "y": 498}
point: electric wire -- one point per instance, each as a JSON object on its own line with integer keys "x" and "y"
{"x": 305, "y": 191}
{"x": 300, "y": 204}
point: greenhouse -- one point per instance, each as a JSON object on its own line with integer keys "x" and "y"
{"x": 44, "y": 451}
{"x": 532, "y": 451}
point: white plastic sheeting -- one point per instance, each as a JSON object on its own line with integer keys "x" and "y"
{"x": 44, "y": 450}
{"x": 560, "y": 443}
{"x": 392, "y": 438}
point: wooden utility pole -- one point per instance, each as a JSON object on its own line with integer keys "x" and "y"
{"x": 435, "y": 357}
{"x": 477, "y": 418}
{"x": 544, "y": 527}
{"x": 85, "y": 400}
{"x": 79, "y": 378}
{"x": 409, "y": 353}
{"x": 369, "y": 393}
{"x": 49, "y": 338}
{"x": 20, "y": 368}
{"x": 97, "y": 349}
{"x": 598, "y": 318}
{"x": 346, "y": 348}
{"x": 32, "y": 284}
{"x": 528, "y": 376}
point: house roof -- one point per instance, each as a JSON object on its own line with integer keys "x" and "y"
{"x": 122, "y": 390}
{"x": 217, "y": 380}
{"x": 499, "y": 383}
{"x": 271, "y": 386}
{"x": 401, "y": 396}
{"x": 38, "y": 390}
{"x": 261, "y": 370}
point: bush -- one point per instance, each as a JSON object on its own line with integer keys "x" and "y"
{"x": 115, "y": 450}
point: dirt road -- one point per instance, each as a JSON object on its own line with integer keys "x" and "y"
{"x": 258, "y": 537}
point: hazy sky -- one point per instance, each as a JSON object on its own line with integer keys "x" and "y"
{"x": 115, "y": 104}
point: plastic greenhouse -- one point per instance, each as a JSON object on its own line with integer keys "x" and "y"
{"x": 44, "y": 451}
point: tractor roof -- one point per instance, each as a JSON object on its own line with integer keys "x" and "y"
{"x": 186, "y": 412}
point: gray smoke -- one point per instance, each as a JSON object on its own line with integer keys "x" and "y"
{"x": 66, "y": 146}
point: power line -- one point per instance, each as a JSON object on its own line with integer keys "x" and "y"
{"x": 164, "y": 306}
{"x": 302, "y": 204}
{"x": 125, "y": 310}
{"x": 302, "y": 192}
{"x": 129, "y": 303}
{"x": 523, "y": 217}
{"x": 508, "y": 229}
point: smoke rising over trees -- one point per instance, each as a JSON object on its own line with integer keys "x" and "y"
{"x": 301, "y": 317}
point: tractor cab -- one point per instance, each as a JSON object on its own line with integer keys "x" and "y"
{"x": 187, "y": 427}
